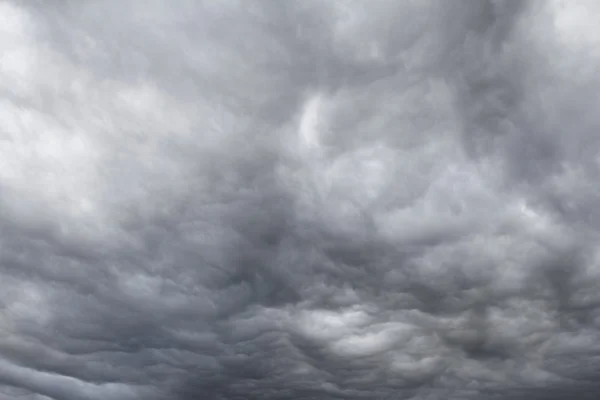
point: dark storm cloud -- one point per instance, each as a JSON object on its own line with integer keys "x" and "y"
{"x": 286, "y": 200}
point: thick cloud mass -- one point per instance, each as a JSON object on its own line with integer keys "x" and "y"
{"x": 299, "y": 199}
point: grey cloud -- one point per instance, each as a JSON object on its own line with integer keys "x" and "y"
{"x": 298, "y": 200}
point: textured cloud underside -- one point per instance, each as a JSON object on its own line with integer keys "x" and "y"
{"x": 299, "y": 200}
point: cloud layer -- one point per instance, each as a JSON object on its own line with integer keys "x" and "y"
{"x": 299, "y": 200}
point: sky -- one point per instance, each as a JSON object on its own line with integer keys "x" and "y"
{"x": 281, "y": 200}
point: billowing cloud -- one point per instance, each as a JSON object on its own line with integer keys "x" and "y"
{"x": 299, "y": 200}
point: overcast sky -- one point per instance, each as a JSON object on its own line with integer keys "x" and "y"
{"x": 311, "y": 199}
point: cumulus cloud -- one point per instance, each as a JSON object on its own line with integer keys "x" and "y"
{"x": 299, "y": 200}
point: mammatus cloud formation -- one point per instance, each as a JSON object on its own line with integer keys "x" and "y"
{"x": 299, "y": 200}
